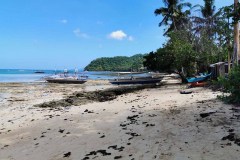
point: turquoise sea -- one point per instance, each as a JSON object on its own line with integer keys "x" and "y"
{"x": 29, "y": 75}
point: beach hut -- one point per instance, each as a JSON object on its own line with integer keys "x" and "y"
{"x": 218, "y": 69}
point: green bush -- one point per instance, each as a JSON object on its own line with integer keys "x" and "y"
{"x": 231, "y": 86}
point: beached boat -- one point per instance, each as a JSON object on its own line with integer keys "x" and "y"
{"x": 198, "y": 84}
{"x": 202, "y": 77}
{"x": 136, "y": 80}
{"x": 66, "y": 80}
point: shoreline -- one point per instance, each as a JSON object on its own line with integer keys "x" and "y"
{"x": 153, "y": 123}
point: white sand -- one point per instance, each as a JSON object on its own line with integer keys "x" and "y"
{"x": 158, "y": 123}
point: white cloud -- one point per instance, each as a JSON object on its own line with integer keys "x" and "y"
{"x": 63, "y": 21}
{"x": 118, "y": 35}
{"x": 78, "y": 33}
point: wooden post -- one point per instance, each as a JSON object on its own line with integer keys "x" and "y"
{"x": 229, "y": 61}
{"x": 236, "y": 36}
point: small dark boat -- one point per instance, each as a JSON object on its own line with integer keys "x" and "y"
{"x": 66, "y": 80}
{"x": 39, "y": 72}
{"x": 138, "y": 80}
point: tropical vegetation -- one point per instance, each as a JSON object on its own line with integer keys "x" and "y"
{"x": 230, "y": 86}
{"x": 173, "y": 14}
{"x": 193, "y": 42}
{"x": 118, "y": 63}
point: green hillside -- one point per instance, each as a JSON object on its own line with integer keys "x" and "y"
{"x": 118, "y": 63}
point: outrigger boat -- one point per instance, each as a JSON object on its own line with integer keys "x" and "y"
{"x": 136, "y": 80}
{"x": 201, "y": 78}
{"x": 67, "y": 79}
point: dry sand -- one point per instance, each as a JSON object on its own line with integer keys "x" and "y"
{"x": 154, "y": 123}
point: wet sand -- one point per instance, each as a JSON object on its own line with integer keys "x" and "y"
{"x": 153, "y": 123}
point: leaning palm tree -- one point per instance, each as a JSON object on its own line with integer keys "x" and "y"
{"x": 173, "y": 15}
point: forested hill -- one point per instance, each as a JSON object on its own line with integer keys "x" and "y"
{"x": 118, "y": 63}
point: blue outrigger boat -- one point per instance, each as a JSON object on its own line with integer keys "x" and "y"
{"x": 200, "y": 78}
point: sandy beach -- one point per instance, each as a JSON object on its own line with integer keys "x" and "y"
{"x": 153, "y": 123}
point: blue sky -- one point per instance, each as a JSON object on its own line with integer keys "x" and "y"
{"x": 58, "y": 34}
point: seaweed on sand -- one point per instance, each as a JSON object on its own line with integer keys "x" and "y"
{"x": 80, "y": 98}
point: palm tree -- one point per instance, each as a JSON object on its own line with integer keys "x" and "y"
{"x": 173, "y": 15}
{"x": 225, "y": 31}
{"x": 207, "y": 23}
{"x": 236, "y": 33}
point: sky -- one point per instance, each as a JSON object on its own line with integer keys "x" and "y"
{"x": 59, "y": 34}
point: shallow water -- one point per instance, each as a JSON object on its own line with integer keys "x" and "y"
{"x": 29, "y": 75}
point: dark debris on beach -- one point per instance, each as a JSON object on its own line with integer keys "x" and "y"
{"x": 81, "y": 98}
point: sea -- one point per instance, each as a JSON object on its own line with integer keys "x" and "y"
{"x": 30, "y": 75}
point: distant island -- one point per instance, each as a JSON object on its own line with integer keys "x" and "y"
{"x": 118, "y": 63}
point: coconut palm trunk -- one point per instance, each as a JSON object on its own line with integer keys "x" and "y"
{"x": 236, "y": 36}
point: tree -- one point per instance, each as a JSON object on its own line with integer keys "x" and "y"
{"x": 161, "y": 60}
{"x": 230, "y": 16}
{"x": 207, "y": 52}
{"x": 236, "y": 31}
{"x": 137, "y": 62}
{"x": 207, "y": 23}
{"x": 194, "y": 43}
{"x": 173, "y": 15}
{"x": 225, "y": 34}
{"x": 180, "y": 45}
{"x": 118, "y": 63}
{"x": 184, "y": 53}
{"x": 177, "y": 53}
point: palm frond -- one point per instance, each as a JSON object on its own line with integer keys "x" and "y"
{"x": 161, "y": 11}
{"x": 164, "y": 21}
{"x": 186, "y": 4}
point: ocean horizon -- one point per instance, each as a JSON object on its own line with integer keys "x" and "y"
{"x": 30, "y": 75}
